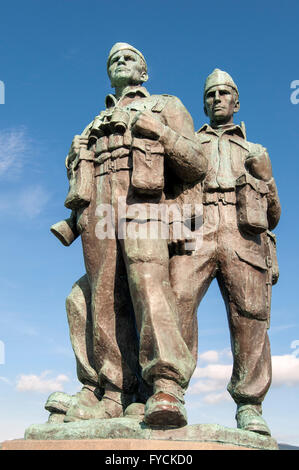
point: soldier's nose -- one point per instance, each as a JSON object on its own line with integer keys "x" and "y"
{"x": 217, "y": 97}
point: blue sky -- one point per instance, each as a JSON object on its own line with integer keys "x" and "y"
{"x": 53, "y": 66}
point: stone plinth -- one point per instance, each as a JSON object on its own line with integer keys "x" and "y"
{"x": 116, "y": 444}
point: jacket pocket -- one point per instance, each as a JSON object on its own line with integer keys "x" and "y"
{"x": 251, "y": 204}
{"x": 148, "y": 167}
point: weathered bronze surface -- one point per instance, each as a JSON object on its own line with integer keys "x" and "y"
{"x": 240, "y": 206}
{"x": 132, "y": 429}
{"x": 162, "y": 211}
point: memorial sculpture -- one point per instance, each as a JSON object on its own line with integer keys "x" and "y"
{"x": 121, "y": 156}
{"x": 133, "y": 315}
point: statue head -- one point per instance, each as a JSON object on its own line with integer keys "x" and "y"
{"x": 126, "y": 65}
{"x": 221, "y": 97}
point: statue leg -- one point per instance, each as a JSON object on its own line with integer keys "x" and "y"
{"x": 113, "y": 325}
{"x": 113, "y": 329}
{"x": 190, "y": 277}
{"x": 113, "y": 322}
{"x": 245, "y": 292}
{"x": 164, "y": 356}
{"x": 80, "y": 328}
{"x": 80, "y": 325}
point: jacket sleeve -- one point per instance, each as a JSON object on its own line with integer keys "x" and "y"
{"x": 180, "y": 144}
{"x": 274, "y": 208}
{"x": 262, "y": 169}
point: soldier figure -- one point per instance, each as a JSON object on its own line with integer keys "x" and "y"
{"x": 121, "y": 155}
{"x": 240, "y": 206}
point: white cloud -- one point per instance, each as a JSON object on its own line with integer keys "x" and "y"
{"x": 285, "y": 370}
{"x": 217, "y": 372}
{"x": 213, "y": 378}
{"x": 5, "y": 380}
{"x": 213, "y": 398}
{"x": 209, "y": 356}
{"x": 16, "y": 151}
{"x": 13, "y": 144}
{"x": 32, "y": 200}
{"x": 41, "y": 383}
{"x": 29, "y": 202}
{"x": 212, "y": 356}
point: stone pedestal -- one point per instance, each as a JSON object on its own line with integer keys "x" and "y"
{"x": 117, "y": 445}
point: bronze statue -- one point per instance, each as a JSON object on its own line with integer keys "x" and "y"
{"x": 240, "y": 207}
{"x": 163, "y": 210}
{"x": 133, "y": 315}
{"x": 136, "y": 151}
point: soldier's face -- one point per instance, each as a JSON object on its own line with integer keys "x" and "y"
{"x": 126, "y": 68}
{"x": 220, "y": 104}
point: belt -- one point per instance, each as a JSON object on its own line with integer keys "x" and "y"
{"x": 112, "y": 165}
{"x": 214, "y": 197}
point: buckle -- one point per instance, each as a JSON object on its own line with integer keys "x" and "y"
{"x": 112, "y": 165}
{"x": 148, "y": 154}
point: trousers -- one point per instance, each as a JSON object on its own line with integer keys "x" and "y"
{"x": 144, "y": 262}
{"x": 237, "y": 261}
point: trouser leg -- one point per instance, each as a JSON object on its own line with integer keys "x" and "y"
{"x": 163, "y": 351}
{"x": 244, "y": 289}
{"x": 251, "y": 376}
{"x": 81, "y": 335}
{"x": 115, "y": 342}
{"x": 114, "y": 334}
{"x": 190, "y": 277}
{"x": 80, "y": 328}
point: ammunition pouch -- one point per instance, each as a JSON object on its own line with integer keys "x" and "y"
{"x": 148, "y": 166}
{"x": 272, "y": 257}
{"x": 251, "y": 204}
{"x": 81, "y": 176}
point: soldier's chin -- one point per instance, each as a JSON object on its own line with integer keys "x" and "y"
{"x": 121, "y": 79}
{"x": 220, "y": 117}
{"x": 219, "y": 113}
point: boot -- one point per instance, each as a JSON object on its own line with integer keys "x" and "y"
{"x": 60, "y": 402}
{"x": 111, "y": 406}
{"x": 166, "y": 406}
{"x": 249, "y": 418}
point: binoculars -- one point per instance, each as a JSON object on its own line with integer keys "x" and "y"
{"x": 117, "y": 122}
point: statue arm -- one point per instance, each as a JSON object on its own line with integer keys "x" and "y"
{"x": 181, "y": 146}
{"x": 259, "y": 165}
{"x": 173, "y": 128}
{"x": 274, "y": 208}
{"x": 66, "y": 230}
{"x": 80, "y": 168}
{"x": 258, "y": 162}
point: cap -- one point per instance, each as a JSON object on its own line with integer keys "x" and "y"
{"x": 219, "y": 77}
{"x": 121, "y": 46}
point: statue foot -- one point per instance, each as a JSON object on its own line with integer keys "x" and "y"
{"x": 163, "y": 409}
{"x": 249, "y": 418}
{"x": 56, "y": 417}
{"x": 104, "y": 409}
{"x": 135, "y": 410}
{"x": 60, "y": 402}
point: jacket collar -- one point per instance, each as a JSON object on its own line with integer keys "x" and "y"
{"x": 129, "y": 91}
{"x": 234, "y": 130}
